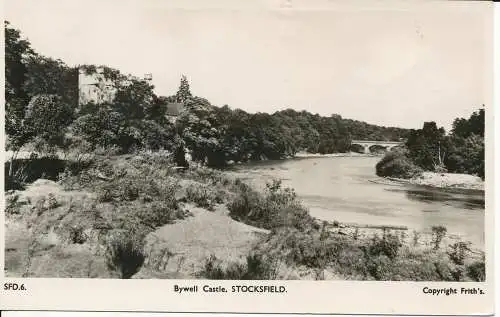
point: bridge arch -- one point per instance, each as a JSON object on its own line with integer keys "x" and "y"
{"x": 388, "y": 145}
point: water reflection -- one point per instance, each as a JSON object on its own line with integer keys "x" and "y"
{"x": 460, "y": 199}
{"x": 346, "y": 189}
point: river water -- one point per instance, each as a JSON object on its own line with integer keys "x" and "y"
{"x": 346, "y": 189}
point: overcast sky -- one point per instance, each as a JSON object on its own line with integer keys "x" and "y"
{"x": 392, "y": 64}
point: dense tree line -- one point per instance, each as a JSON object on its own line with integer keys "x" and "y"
{"x": 431, "y": 149}
{"x": 42, "y": 109}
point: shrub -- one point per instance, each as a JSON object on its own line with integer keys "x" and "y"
{"x": 397, "y": 164}
{"x": 256, "y": 268}
{"x": 156, "y": 214}
{"x": 438, "y": 233}
{"x": 305, "y": 248}
{"x": 124, "y": 254}
{"x": 413, "y": 267}
{"x": 278, "y": 207}
{"x": 477, "y": 271}
{"x": 52, "y": 201}
{"x": 131, "y": 187}
{"x": 388, "y": 245}
{"x": 12, "y": 204}
{"x": 380, "y": 267}
{"x": 76, "y": 235}
{"x": 15, "y": 175}
{"x": 416, "y": 238}
{"x": 201, "y": 195}
{"x": 458, "y": 252}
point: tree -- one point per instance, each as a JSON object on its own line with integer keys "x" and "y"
{"x": 100, "y": 127}
{"x": 466, "y": 144}
{"x": 48, "y": 118}
{"x": 134, "y": 100}
{"x": 474, "y": 125}
{"x": 16, "y": 50}
{"x": 426, "y": 146}
{"x": 198, "y": 127}
{"x": 16, "y": 99}
{"x": 184, "y": 91}
{"x": 48, "y": 76}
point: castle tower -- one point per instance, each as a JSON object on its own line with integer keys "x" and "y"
{"x": 94, "y": 87}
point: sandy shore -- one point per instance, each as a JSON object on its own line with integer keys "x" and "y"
{"x": 445, "y": 180}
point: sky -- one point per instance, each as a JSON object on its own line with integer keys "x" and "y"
{"x": 384, "y": 62}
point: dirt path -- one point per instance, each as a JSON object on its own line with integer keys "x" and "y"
{"x": 179, "y": 250}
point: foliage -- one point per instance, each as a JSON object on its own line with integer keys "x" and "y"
{"x": 278, "y": 207}
{"x": 124, "y": 254}
{"x": 215, "y": 136}
{"x": 397, "y": 164}
{"x": 12, "y": 204}
{"x": 477, "y": 270}
{"x": 256, "y": 267}
{"x": 473, "y": 126}
{"x": 48, "y": 116}
{"x": 388, "y": 246}
{"x": 134, "y": 100}
{"x": 203, "y": 196}
{"x": 438, "y": 233}
{"x": 184, "y": 91}
{"x": 459, "y": 251}
{"x": 462, "y": 151}
{"x": 46, "y": 76}
{"x": 424, "y": 145}
{"x": 466, "y": 155}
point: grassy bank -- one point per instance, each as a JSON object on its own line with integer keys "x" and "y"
{"x": 137, "y": 216}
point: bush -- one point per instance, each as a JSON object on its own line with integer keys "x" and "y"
{"x": 124, "y": 254}
{"x": 459, "y": 251}
{"x": 201, "y": 195}
{"x": 26, "y": 171}
{"x": 388, "y": 246}
{"x": 12, "y": 204}
{"x": 278, "y": 207}
{"x": 397, "y": 164}
{"x": 77, "y": 235}
{"x": 131, "y": 187}
{"x": 380, "y": 267}
{"x": 477, "y": 271}
{"x": 256, "y": 268}
{"x": 438, "y": 233}
{"x": 156, "y": 214}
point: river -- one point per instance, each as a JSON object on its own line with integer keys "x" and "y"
{"x": 346, "y": 189}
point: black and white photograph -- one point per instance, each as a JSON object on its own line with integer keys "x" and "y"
{"x": 266, "y": 140}
{"x": 161, "y": 144}
{"x": 244, "y": 156}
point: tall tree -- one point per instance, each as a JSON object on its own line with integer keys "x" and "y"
{"x": 184, "y": 91}
{"x": 426, "y": 146}
{"x": 16, "y": 50}
{"x": 135, "y": 100}
{"x": 16, "y": 99}
{"x": 45, "y": 75}
{"x": 474, "y": 125}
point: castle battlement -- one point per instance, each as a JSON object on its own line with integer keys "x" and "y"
{"x": 93, "y": 86}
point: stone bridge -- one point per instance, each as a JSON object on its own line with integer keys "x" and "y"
{"x": 368, "y": 144}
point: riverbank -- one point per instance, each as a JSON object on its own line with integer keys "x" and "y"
{"x": 445, "y": 181}
{"x": 318, "y": 155}
{"x": 137, "y": 216}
